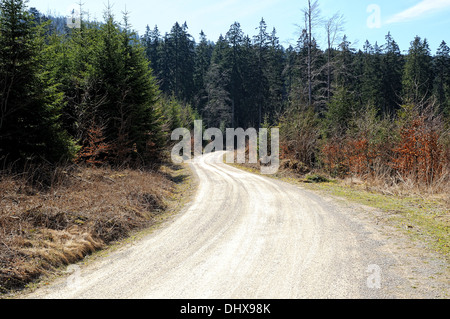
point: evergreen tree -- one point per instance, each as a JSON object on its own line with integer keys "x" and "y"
{"x": 203, "y": 56}
{"x": 217, "y": 111}
{"x": 73, "y": 66}
{"x": 372, "y": 77}
{"x": 235, "y": 38}
{"x": 299, "y": 71}
{"x": 261, "y": 42}
{"x": 140, "y": 96}
{"x": 275, "y": 67}
{"x": 254, "y": 90}
{"x": 152, "y": 41}
{"x": 220, "y": 52}
{"x": 164, "y": 54}
{"x": 418, "y": 73}
{"x": 310, "y": 71}
{"x": 110, "y": 73}
{"x": 133, "y": 126}
{"x": 392, "y": 67}
{"x": 344, "y": 72}
{"x": 30, "y": 103}
{"x": 217, "y": 86}
{"x": 179, "y": 63}
{"x": 341, "y": 110}
{"x": 318, "y": 78}
{"x": 291, "y": 76}
{"x": 442, "y": 79}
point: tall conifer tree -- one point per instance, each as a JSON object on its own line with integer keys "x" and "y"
{"x": 30, "y": 103}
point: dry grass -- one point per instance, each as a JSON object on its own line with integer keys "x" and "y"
{"x": 402, "y": 186}
{"x": 79, "y": 211}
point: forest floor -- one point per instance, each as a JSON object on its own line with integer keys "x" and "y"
{"x": 83, "y": 212}
{"x": 423, "y": 216}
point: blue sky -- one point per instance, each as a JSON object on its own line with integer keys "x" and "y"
{"x": 365, "y": 19}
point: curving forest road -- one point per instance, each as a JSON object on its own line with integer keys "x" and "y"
{"x": 248, "y": 236}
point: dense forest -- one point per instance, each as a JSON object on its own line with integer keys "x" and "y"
{"x": 102, "y": 93}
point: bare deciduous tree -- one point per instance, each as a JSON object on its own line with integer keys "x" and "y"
{"x": 333, "y": 27}
{"x": 312, "y": 19}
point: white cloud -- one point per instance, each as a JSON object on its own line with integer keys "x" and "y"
{"x": 419, "y": 10}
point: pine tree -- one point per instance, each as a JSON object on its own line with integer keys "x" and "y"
{"x": 30, "y": 103}
{"x": 141, "y": 94}
{"x": 235, "y": 38}
{"x": 110, "y": 68}
{"x": 203, "y": 56}
{"x": 392, "y": 68}
{"x": 372, "y": 77}
{"x": 418, "y": 73}
{"x": 345, "y": 75}
{"x": 296, "y": 71}
{"x": 217, "y": 111}
{"x": 219, "y": 54}
{"x": 261, "y": 43}
{"x": 178, "y": 63}
{"x": 275, "y": 67}
{"x": 253, "y": 94}
{"x": 217, "y": 86}
{"x": 291, "y": 76}
{"x": 132, "y": 120}
{"x": 152, "y": 41}
{"x": 73, "y": 65}
{"x": 442, "y": 79}
{"x": 341, "y": 110}
{"x": 164, "y": 75}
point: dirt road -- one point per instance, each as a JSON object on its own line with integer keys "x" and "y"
{"x": 249, "y": 236}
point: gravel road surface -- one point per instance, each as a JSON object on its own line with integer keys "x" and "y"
{"x": 253, "y": 237}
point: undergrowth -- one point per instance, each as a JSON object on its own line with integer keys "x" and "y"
{"x": 49, "y": 222}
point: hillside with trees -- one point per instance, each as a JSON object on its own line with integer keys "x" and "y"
{"x": 102, "y": 93}
{"x": 372, "y": 112}
{"x": 85, "y": 94}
